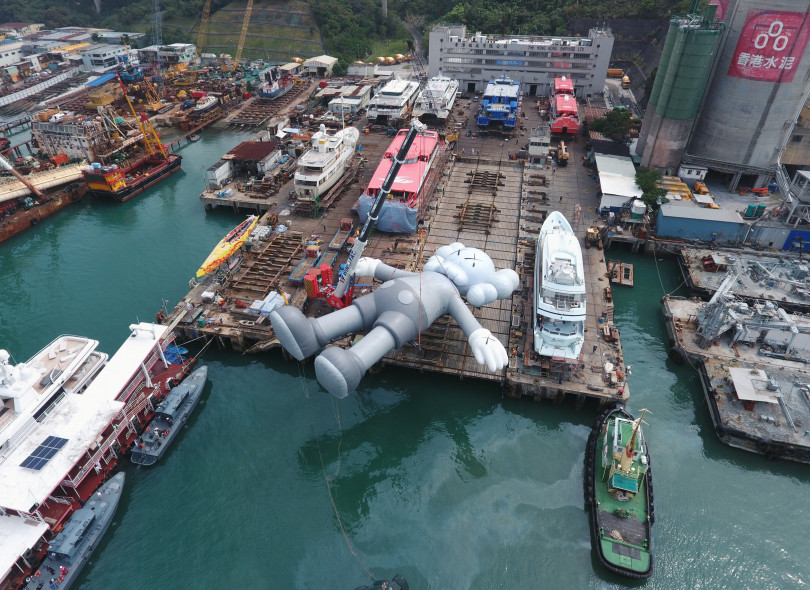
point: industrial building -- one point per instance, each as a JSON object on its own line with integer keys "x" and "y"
{"x": 169, "y": 55}
{"x": 617, "y": 181}
{"x": 320, "y": 66}
{"x": 533, "y": 61}
{"x": 757, "y": 83}
{"x": 101, "y": 57}
{"x": 691, "y": 222}
{"x": 683, "y": 74}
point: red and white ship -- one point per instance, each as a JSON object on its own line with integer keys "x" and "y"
{"x": 405, "y": 204}
{"x": 563, "y": 86}
{"x": 67, "y": 416}
{"x": 564, "y": 115}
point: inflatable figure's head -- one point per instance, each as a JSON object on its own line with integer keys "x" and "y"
{"x": 473, "y": 273}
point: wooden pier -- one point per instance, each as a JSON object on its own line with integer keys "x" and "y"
{"x": 479, "y": 195}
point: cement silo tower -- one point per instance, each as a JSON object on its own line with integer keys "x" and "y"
{"x": 684, "y": 71}
{"x": 759, "y": 84}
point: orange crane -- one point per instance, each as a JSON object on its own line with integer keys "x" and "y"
{"x": 243, "y": 33}
{"x": 202, "y": 33}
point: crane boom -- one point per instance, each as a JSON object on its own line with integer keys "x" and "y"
{"x": 7, "y": 165}
{"x": 243, "y": 33}
{"x": 337, "y": 296}
{"x": 202, "y": 34}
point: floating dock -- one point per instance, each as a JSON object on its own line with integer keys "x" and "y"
{"x": 753, "y": 366}
{"x": 620, "y": 273}
{"x": 781, "y": 277}
{"x": 478, "y": 194}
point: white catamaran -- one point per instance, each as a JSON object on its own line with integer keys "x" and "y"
{"x": 437, "y": 98}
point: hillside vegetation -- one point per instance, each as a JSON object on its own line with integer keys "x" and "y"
{"x": 347, "y": 29}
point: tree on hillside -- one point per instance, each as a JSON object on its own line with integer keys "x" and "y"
{"x": 652, "y": 194}
{"x": 616, "y": 125}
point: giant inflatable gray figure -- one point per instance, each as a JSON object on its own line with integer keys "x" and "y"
{"x": 406, "y": 304}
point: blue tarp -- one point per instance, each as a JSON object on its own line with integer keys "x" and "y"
{"x": 100, "y": 80}
{"x": 395, "y": 217}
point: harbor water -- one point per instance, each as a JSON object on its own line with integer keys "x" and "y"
{"x": 274, "y": 484}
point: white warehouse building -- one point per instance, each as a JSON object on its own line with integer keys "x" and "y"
{"x": 532, "y": 60}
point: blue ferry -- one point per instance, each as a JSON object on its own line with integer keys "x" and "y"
{"x": 500, "y": 103}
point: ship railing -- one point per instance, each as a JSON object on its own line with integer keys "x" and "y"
{"x": 74, "y": 481}
{"x": 60, "y": 500}
{"x": 50, "y": 408}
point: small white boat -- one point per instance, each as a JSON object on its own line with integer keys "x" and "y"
{"x": 206, "y": 103}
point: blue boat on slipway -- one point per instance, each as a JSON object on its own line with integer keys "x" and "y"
{"x": 500, "y": 104}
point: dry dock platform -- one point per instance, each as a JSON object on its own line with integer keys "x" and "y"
{"x": 479, "y": 195}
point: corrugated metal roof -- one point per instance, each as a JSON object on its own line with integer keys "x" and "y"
{"x": 615, "y": 165}
{"x": 619, "y": 185}
{"x": 100, "y": 80}
{"x": 700, "y": 213}
{"x": 251, "y": 150}
{"x": 321, "y": 60}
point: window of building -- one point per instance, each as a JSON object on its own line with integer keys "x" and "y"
{"x": 796, "y": 138}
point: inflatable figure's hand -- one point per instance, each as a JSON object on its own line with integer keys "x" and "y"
{"x": 488, "y": 349}
{"x": 366, "y": 267}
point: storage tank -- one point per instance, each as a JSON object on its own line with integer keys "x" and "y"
{"x": 688, "y": 57}
{"x": 637, "y": 209}
{"x": 758, "y": 86}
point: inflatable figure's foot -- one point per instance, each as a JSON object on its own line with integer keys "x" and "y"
{"x": 295, "y": 332}
{"x": 339, "y": 371}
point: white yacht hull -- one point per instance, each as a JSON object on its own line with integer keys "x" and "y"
{"x": 559, "y": 292}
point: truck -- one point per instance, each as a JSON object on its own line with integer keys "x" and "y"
{"x": 625, "y": 82}
{"x": 593, "y": 237}
{"x": 339, "y": 240}
{"x": 615, "y": 72}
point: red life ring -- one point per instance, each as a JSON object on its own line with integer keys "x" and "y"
{"x": 148, "y": 429}
{"x": 36, "y": 575}
{"x": 61, "y": 578}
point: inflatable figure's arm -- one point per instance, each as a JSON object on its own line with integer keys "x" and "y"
{"x": 371, "y": 267}
{"x": 487, "y": 349}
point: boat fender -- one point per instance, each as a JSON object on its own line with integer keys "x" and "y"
{"x": 763, "y": 444}
{"x": 677, "y": 356}
{"x": 34, "y": 220}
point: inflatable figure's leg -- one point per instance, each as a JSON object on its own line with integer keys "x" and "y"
{"x": 302, "y": 336}
{"x": 339, "y": 370}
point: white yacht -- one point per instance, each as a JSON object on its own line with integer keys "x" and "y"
{"x": 393, "y": 100}
{"x": 320, "y": 167}
{"x": 559, "y": 291}
{"x": 437, "y": 98}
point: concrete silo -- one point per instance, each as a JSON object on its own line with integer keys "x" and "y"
{"x": 759, "y": 84}
{"x": 687, "y": 59}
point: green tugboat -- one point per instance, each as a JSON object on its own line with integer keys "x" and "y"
{"x": 619, "y": 494}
